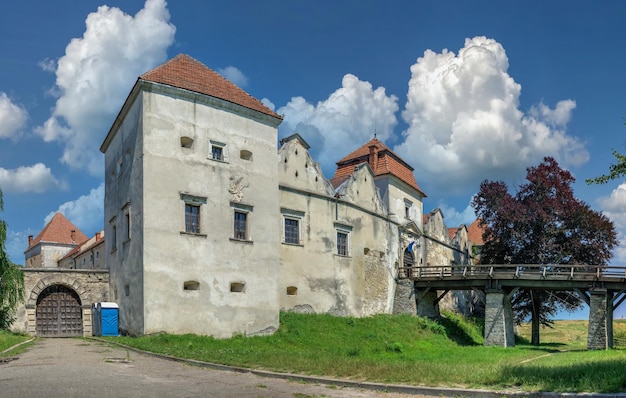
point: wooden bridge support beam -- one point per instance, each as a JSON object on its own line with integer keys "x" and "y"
{"x": 499, "y": 319}
{"x": 600, "y": 332}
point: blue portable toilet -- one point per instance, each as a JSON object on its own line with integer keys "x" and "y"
{"x": 107, "y": 322}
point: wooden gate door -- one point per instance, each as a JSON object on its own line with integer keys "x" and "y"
{"x": 59, "y": 313}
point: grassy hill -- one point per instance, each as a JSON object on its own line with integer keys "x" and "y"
{"x": 411, "y": 350}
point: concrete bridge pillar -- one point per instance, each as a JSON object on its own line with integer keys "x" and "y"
{"x": 600, "y": 332}
{"x": 426, "y": 301}
{"x": 498, "y": 319}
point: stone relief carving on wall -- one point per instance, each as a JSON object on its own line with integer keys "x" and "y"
{"x": 237, "y": 185}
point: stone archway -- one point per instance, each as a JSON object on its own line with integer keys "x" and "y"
{"x": 58, "y": 301}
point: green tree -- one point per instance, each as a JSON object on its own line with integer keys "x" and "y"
{"x": 616, "y": 170}
{"x": 543, "y": 223}
{"x": 11, "y": 280}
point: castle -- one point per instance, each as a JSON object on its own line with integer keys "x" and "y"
{"x": 210, "y": 229}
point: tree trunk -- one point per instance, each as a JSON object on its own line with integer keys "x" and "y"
{"x": 536, "y": 307}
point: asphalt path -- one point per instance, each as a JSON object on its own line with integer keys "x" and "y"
{"x": 87, "y": 368}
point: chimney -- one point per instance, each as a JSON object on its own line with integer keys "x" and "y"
{"x": 97, "y": 236}
{"x": 373, "y": 158}
{"x": 73, "y": 235}
{"x": 30, "y": 240}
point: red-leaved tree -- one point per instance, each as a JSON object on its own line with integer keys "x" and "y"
{"x": 543, "y": 223}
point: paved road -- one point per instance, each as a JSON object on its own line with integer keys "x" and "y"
{"x": 85, "y": 368}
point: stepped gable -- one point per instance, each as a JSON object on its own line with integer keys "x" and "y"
{"x": 59, "y": 230}
{"x": 190, "y": 74}
{"x": 381, "y": 160}
{"x": 475, "y": 233}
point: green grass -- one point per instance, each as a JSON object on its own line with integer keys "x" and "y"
{"x": 8, "y": 339}
{"x": 408, "y": 350}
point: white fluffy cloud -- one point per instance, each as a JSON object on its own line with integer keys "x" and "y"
{"x": 86, "y": 212}
{"x": 346, "y": 120}
{"x": 12, "y": 117}
{"x": 234, "y": 75}
{"x": 465, "y": 124}
{"x": 96, "y": 73}
{"x": 455, "y": 218}
{"x": 37, "y": 178}
{"x": 614, "y": 206}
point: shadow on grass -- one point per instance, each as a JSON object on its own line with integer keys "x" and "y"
{"x": 456, "y": 333}
{"x": 604, "y": 376}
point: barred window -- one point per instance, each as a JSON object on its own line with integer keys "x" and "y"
{"x": 292, "y": 231}
{"x": 342, "y": 243}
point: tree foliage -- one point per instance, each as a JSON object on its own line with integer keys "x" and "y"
{"x": 543, "y": 223}
{"x": 616, "y": 170}
{"x": 11, "y": 280}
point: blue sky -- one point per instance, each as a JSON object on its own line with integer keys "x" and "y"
{"x": 464, "y": 91}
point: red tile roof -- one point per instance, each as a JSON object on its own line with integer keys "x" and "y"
{"x": 59, "y": 230}
{"x": 382, "y": 161}
{"x": 452, "y": 232}
{"x": 98, "y": 239}
{"x": 475, "y": 233}
{"x": 187, "y": 73}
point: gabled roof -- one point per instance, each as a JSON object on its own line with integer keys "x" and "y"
{"x": 381, "y": 160}
{"x": 59, "y": 230}
{"x": 475, "y": 233}
{"x": 187, "y": 73}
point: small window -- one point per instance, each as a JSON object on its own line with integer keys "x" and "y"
{"x": 217, "y": 151}
{"x": 292, "y": 231}
{"x": 113, "y": 235}
{"x": 343, "y": 239}
{"x": 241, "y": 219}
{"x": 237, "y": 287}
{"x": 292, "y": 226}
{"x": 191, "y": 285}
{"x": 126, "y": 211}
{"x": 126, "y": 290}
{"x": 193, "y": 213}
{"x": 292, "y": 291}
{"x": 186, "y": 142}
{"x": 245, "y": 155}
{"x": 342, "y": 243}
{"x": 241, "y": 225}
{"x": 192, "y": 218}
{"x": 407, "y": 208}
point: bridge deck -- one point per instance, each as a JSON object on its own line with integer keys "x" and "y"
{"x": 550, "y": 277}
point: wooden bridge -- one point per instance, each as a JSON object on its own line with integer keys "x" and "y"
{"x": 602, "y": 288}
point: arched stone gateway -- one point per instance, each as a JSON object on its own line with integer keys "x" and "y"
{"x": 59, "y": 313}
{"x": 58, "y": 301}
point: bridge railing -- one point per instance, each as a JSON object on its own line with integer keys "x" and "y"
{"x": 524, "y": 271}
